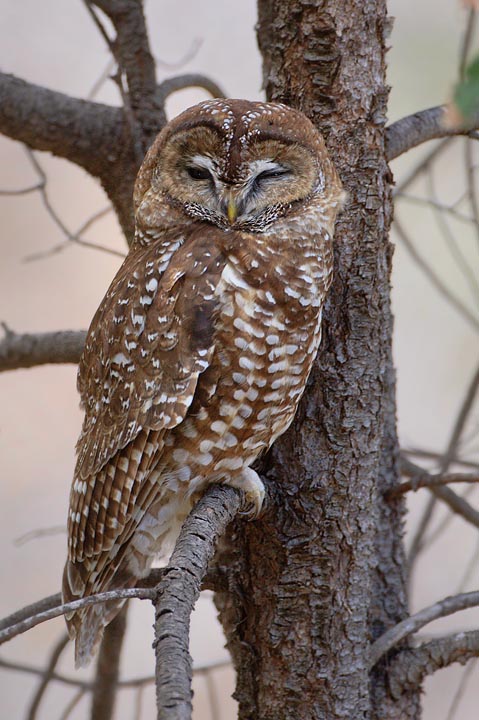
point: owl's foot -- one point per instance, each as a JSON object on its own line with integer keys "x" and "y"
{"x": 250, "y": 483}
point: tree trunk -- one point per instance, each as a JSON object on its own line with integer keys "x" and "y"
{"x": 321, "y": 575}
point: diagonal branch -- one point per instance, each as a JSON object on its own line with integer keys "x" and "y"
{"x": 213, "y": 580}
{"x": 394, "y": 635}
{"x": 27, "y": 350}
{"x": 10, "y": 631}
{"x": 177, "y": 593}
{"x": 48, "y": 676}
{"x": 413, "y": 130}
{"x": 87, "y": 133}
{"x": 436, "y": 484}
{"x": 131, "y": 49}
{"x": 96, "y": 137}
{"x": 430, "y": 480}
{"x": 411, "y": 666}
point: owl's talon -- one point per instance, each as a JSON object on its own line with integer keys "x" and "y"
{"x": 250, "y": 483}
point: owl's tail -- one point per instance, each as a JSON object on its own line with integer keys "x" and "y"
{"x": 86, "y": 626}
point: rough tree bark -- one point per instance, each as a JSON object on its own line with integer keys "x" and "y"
{"x": 322, "y": 574}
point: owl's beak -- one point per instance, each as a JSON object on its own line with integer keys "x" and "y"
{"x": 232, "y": 210}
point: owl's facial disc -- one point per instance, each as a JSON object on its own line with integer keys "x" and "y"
{"x": 246, "y": 185}
{"x": 237, "y": 201}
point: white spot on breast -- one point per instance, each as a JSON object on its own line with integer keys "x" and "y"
{"x": 219, "y": 427}
{"x": 206, "y": 445}
{"x": 245, "y": 363}
{"x": 184, "y": 473}
{"x": 204, "y": 458}
{"x": 237, "y": 422}
{"x": 278, "y": 366}
{"x": 241, "y": 343}
{"x": 239, "y": 378}
{"x": 180, "y": 455}
{"x": 229, "y": 464}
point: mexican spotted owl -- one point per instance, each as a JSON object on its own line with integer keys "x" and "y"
{"x": 199, "y": 353}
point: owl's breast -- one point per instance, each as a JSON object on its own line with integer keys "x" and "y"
{"x": 265, "y": 343}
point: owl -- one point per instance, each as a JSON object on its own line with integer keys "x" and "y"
{"x": 198, "y": 355}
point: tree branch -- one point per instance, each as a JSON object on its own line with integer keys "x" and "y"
{"x": 84, "y": 132}
{"x": 410, "y": 667}
{"x": 27, "y": 350}
{"x": 12, "y": 630}
{"x": 412, "y": 624}
{"x": 180, "y": 82}
{"x": 213, "y": 580}
{"x": 108, "y": 668}
{"x": 131, "y": 49}
{"x": 177, "y": 593}
{"x": 413, "y": 130}
{"x": 420, "y": 478}
{"x": 97, "y": 137}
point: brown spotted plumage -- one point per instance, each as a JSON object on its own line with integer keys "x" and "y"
{"x": 199, "y": 353}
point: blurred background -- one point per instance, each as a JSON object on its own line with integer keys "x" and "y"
{"x": 49, "y": 283}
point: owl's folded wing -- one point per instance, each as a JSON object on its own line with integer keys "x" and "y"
{"x": 150, "y": 339}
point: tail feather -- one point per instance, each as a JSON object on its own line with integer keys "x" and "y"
{"x": 86, "y": 626}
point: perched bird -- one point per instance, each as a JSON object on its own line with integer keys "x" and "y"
{"x": 198, "y": 355}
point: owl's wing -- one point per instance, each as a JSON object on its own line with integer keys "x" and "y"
{"x": 149, "y": 341}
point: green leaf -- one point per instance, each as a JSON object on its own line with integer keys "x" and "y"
{"x": 466, "y": 93}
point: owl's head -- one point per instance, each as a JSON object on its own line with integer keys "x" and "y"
{"x": 237, "y": 164}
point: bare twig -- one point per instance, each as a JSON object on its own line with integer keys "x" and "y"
{"x": 434, "y": 455}
{"x": 136, "y": 76}
{"x": 72, "y": 705}
{"x": 39, "y": 533}
{"x": 466, "y": 42}
{"x": 423, "y": 165}
{"x": 31, "y": 621}
{"x": 177, "y": 593}
{"x": 411, "y": 666}
{"x": 456, "y": 503}
{"x": 22, "y": 191}
{"x": 87, "y": 686}
{"x": 108, "y": 668}
{"x": 396, "y": 634}
{"x": 471, "y": 184}
{"x": 172, "y": 85}
{"x": 430, "y": 203}
{"x": 48, "y": 674}
{"x": 461, "y": 689}
{"x": 451, "y": 243}
{"x": 413, "y": 130}
{"x": 420, "y": 478}
{"x": 27, "y": 350}
{"x": 434, "y": 279}
{"x": 445, "y": 462}
{"x": 56, "y": 677}
{"x": 69, "y": 236}
{"x": 213, "y": 580}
